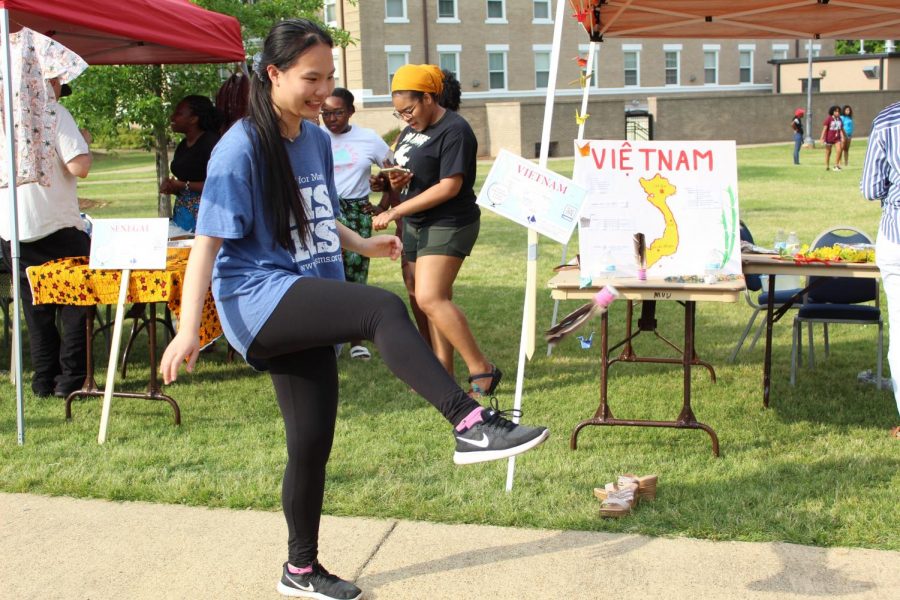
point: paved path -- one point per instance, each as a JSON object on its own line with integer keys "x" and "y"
{"x": 95, "y": 549}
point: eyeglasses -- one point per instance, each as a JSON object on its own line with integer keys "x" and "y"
{"x": 407, "y": 113}
{"x": 337, "y": 114}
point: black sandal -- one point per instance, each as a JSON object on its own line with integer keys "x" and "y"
{"x": 496, "y": 375}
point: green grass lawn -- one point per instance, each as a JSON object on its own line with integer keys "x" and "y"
{"x": 816, "y": 468}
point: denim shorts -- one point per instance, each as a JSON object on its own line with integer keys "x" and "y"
{"x": 437, "y": 240}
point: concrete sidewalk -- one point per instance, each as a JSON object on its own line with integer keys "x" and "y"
{"x": 68, "y": 548}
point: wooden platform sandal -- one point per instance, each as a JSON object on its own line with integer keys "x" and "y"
{"x": 646, "y": 484}
{"x": 618, "y": 501}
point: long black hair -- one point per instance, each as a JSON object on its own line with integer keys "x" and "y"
{"x": 286, "y": 42}
{"x": 208, "y": 118}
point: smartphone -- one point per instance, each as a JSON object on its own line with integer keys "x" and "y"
{"x": 395, "y": 169}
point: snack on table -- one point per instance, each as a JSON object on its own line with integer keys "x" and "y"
{"x": 851, "y": 253}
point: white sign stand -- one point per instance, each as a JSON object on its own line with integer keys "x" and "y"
{"x": 113, "y": 355}
{"x": 124, "y": 244}
{"x": 529, "y": 309}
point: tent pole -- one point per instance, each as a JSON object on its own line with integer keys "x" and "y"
{"x": 526, "y": 343}
{"x": 586, "y": 92}
{"x": 13, "y": 221}
{"x": 809, "y": 61}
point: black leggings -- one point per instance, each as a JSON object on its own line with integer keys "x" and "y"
{"x": 297, "y": 343}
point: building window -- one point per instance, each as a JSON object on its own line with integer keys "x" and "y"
{"x": 447, "y": 10}
{"x": 711, "y": 67}
{"x": 541, "y": 68}
{"x": 804, "y": 84}
{"x": 632, "y": 67}
{"x": 542, "y": 11}
{"x": 329, "y": 9}
{"x": 673, "y": 67}
{"x": 397, "y": 56}
{"x": 336, "y": 57}
{"x": 816, "y": 49}
{"x": 395, "y": 10}
{"x": 448, "y": 58}
{"x": 496, "y": 67}
{"x": 780, "y": 51}
{"x": 496, "y": 11}
{"x": 746, "y": 66}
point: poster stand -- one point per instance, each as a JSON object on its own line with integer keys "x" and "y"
{"x": 113, "y": 355}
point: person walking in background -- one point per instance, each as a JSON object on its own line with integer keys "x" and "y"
{"x": 847, "y": 122}
{"x": 440, "y": 218}
{"x": 881, "y": 181}
{"x": 450, "y": 99}
{"x": 797, "y": 126}
{"x": 268, "y": 240}
{"x": 354, "y": 150}
{"x": 198, "y": 120}
{"x": 51, "y": 227}
{"x": 833, "y": 137}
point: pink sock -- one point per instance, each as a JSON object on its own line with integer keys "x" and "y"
{"x": 473, "y": 418}
{"x": 295, "y": 571}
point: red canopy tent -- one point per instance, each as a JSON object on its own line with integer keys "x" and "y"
{"x": 747, "y": 19}
{"x": 107, "y": 32}
{"x": 709, "y": 19}
{"x": 135, "y": 32}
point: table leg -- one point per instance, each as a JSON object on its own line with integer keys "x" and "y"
{"x": 767, "y": 361}
{"x": 603, "y": 414}
{"x": 628, "y": 351}
{"x": 89, "y": 385}
{"x": 647, "y": 322}
{"x": 154, "y": 391}
{"x": 686, "y": 420}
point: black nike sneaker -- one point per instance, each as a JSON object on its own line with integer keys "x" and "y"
{"x": 494, "y": 438}
{"x": 318, "y": 584}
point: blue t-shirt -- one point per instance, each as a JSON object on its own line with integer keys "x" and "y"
{"x": 252, "y": 271}
{"x": 848, "y": 124}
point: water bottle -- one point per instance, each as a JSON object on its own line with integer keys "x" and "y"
{"x": 608, "y": 266}
{"x": 780, "y": 241}
{"x": 792, "y": 244}
{"x": 711, "y": 269}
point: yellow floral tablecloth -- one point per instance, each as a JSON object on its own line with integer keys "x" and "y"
{"x": 71, "y": 281}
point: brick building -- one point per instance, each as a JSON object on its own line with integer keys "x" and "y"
{"x": 500, "y": 50}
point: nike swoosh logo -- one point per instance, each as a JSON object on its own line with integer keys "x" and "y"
{"x": 482, "y": 443}
{"x": 305, "y": 588}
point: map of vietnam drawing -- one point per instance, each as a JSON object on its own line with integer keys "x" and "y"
{"x": 659, "y": 190}
{"x": 683, "y": 196}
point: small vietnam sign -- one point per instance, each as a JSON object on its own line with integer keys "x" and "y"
{"x": 537, "y": 198}
{"x": 681, "y": 195}
{"x": 129, "y": 243}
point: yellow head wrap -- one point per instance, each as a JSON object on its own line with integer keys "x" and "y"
{"x": 418, "y": 78}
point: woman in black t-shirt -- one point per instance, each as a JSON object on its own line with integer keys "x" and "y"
{"x": 440, "y": 217}
{"x": 198, "y": 120}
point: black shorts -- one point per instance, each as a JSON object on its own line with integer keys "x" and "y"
{"x": 438, "y": 240}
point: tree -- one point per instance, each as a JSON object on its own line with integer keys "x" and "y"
{"x": 120, "y": 102}
{"x": 852, "y": 46}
